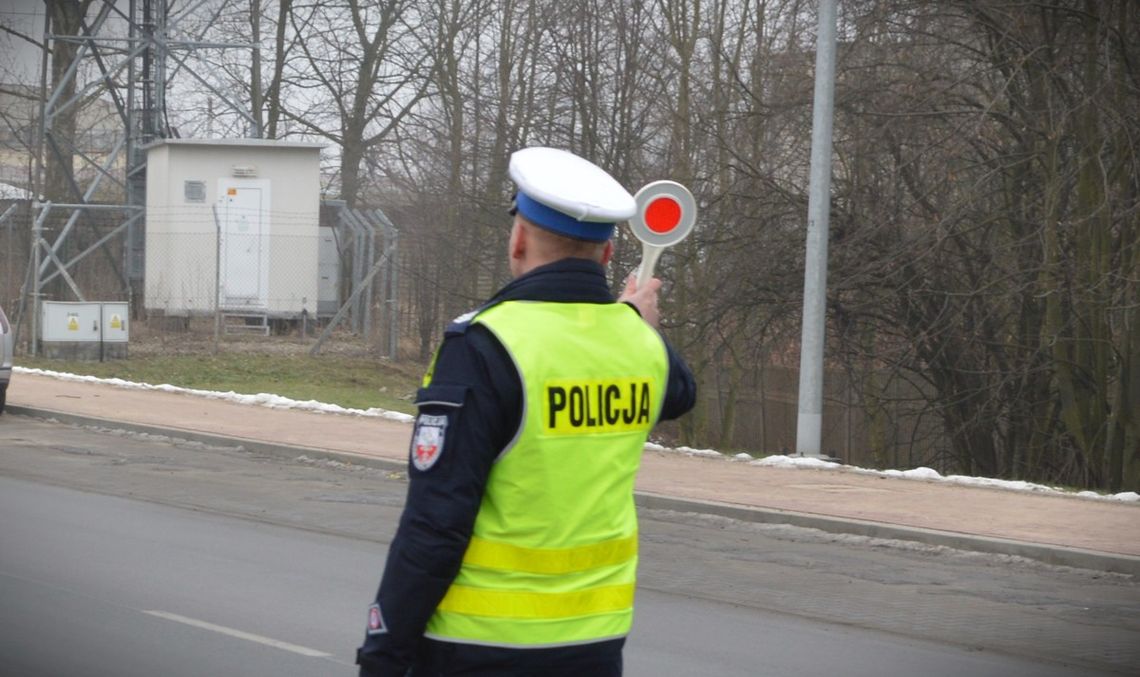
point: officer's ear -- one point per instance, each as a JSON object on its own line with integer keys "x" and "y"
{"x": 518, "y": 241}
{"x": 607, "y": 252}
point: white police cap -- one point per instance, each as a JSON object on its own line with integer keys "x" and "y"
{"x": 569, "y": 195}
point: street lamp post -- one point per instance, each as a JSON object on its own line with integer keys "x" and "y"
{"x": 809, "y": 424}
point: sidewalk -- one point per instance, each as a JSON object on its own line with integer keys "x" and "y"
{"x": 1058, "y": 529}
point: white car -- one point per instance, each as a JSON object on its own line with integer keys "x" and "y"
{"x": 7, "y": 345}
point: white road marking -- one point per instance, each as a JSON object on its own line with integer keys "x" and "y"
{"x": 248, "y": 636}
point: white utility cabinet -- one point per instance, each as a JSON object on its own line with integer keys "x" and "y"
{"x": 232, "y": 223}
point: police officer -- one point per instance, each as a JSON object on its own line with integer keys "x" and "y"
{"x": 517, "y": 550}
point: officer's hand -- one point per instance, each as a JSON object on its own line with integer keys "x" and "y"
{"x": 645, "y": 299}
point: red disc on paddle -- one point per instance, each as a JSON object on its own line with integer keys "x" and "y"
{"x": 662, "y": 215}
{"x": 666, "y": 213}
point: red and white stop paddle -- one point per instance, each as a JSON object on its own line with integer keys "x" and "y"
{"x": 666, "y": 214}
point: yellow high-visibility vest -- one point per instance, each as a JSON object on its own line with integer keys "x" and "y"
{"x": 553, "y": 556}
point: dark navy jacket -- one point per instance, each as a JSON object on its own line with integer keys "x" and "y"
{"x": 477, "y": 387}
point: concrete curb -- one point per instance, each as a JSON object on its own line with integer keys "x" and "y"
{"x": 285, "y": 451}
{"x": 1049, "y": 554}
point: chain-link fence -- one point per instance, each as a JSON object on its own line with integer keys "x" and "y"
{"x": 213, "y": 278}
{"x": 892, "y": 427}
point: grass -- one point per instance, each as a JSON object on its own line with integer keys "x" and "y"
{"x": 350, "y": 381}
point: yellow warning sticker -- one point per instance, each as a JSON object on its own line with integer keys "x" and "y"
{"x": 73, "y": 322}
{"x": 116, "y": 322}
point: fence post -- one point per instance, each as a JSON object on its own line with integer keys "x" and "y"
{"x": 391, "y": 291}
{"x": 370, "y": 256}
{"x": 4, "y": 219}
{"x": 393, "y": 301}
{"x": 37, "y": 235}
{"x": 217, "y": 281}
{"x": 357, "y": 270}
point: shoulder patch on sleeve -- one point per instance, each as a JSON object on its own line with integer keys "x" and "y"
{"x": 376, "y": 621}
{"x": 427, "y": 441}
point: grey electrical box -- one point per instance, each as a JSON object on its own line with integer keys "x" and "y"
{"x": 84, "y": 330}
{"x": 115, "y": 323}
{"x": 115, "y": 333}
{"x": 70, "y": 322}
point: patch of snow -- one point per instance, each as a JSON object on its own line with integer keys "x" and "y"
{"x": 779, "y": 461}
{"x": 10, "y": 192}
{"x": 260, "y": 399}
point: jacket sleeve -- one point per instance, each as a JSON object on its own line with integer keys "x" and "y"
{"x": 681, "y": 389}
{"x": 472, "y": 404}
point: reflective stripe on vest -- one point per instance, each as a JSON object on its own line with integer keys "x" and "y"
{"x": 492, "y": 555}
{"x": 508, "y": 604}
{"x": 553, "y": 556}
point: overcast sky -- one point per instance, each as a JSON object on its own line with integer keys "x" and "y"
{"x": 19, "y": 60}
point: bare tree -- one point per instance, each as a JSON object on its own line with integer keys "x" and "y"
{"x": 66, "y": 18}
{"x": 364, "y": 73}
{"x": 984, "y": 213}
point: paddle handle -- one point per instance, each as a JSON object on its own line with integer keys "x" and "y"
{"x": 649, "y": 255}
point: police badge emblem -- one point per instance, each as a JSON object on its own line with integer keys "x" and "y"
{"x": 427, "y": 441}
{"x": 375, "y": 621}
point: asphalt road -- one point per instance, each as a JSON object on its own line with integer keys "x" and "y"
{"x": 127, "y": 555}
